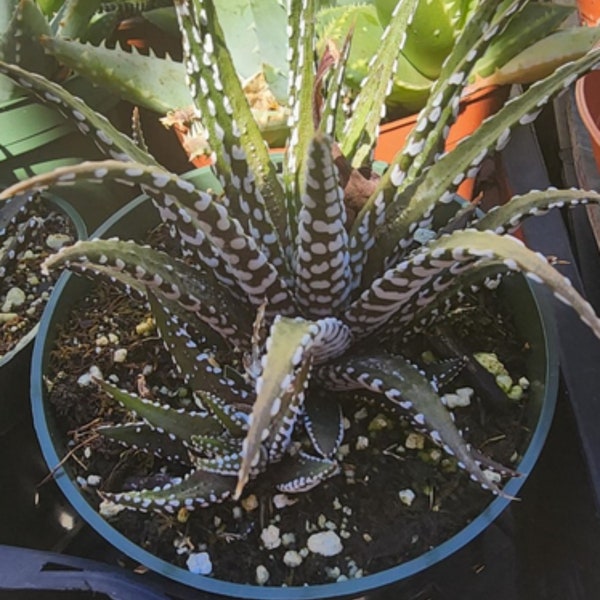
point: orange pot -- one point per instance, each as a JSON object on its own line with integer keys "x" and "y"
{"x": 587, "y": 98}
{"x": 589, "y": 12}
{"x": 473, "y": 110}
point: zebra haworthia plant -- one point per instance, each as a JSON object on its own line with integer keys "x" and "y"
{"x": 299, "y": 273}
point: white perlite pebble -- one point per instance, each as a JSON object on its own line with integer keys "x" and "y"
{"x": 262, "y": 575}
{"x": 406, "y": 496}
{"x": 120, "y": 355}
{"x": 86, "y": 378}
{"x": 109, "y": 509}
{"x": 362, "y": 442}
{"x": 292, "y": 559}
{"x": 270, "y": 537}
{"x": 326, "y": 543}
{"x": 415, "y": 441}
{"x": 94, "y": 480}
{"x": 55, "y": 241}
{"x": 199, "y": 563}
{"x": 462, "y": 397}
{"x": 14, "y": 297}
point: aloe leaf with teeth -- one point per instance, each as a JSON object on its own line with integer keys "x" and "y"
{"x": 309, "y": 304}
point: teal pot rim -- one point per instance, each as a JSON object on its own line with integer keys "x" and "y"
{"x": 81, "y": 231}
{"x": 351, "y": 588}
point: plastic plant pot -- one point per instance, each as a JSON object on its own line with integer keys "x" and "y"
{"x": 473, "y": 110}
{"x": 589, "y": 12}
{"x": 14, "y": 365}
{"x": 532, "y": 319}
{"x": 587, "y": 98}
{"x": 35, "y": 574}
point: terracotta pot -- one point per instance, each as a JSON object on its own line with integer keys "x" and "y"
{"x": 587, "y": 97}
{"x": 473, "y": 110}
{"x": 589, "y": 12}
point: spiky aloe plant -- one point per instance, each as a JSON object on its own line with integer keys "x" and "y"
{"x": 305, "y": 298}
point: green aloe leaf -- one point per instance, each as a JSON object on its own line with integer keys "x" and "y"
{"x": 192, "y": 289}
{"x": 408, "y": 389}
{"x": 109, "y": 139}
{"x": 507, "y": 217}
{"x": 248, "y": 176}
{"x": 438, "y": 184}
{"x": 73, "y": 18}
{"x": 285, "y": 369}
{"x": 149, "y": 81}
{"x": 445, "y": 259}
{"x": 179, "y": 423}
{"x": 197, "y": 489}
{"x": 361, "y": 130}
{"x": 322, "y": 269}
{"x": 147, "y": 438}
{"x": 207, "y": 220}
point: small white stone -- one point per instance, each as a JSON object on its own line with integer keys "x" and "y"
{"x": 361, "y": 414}
{"x": 287, "y": 539}
{"x": 101, "y": 340}
{"x": 55, "y": 241}
{"x": 326, "y": 543}
{"x": 199, "y": 563}
{"x": 15, "y": 297}
{"x": 407, "y": 496}
{"x": 292, "y": 559}
{"x": 492, "y": 476}
{"x": 262, "y": 575}
{"x": 270, "y": 537}
{"x": 415, "y": 441}
{"x": 460, "y": 398}
{"x": 362, "y": 442}
{"x": 109, "y": 509}
{"x": 113, "y": 338}
{"x": 283, "y": 500}
{"x": 94, "y": 480}
{"x": 120, "y": 355}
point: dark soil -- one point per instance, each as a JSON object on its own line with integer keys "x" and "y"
{"x": 24, "y": 272}
{"x": 361, "y": 504}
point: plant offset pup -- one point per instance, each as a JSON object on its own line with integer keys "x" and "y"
{"x": 312, "y": 279}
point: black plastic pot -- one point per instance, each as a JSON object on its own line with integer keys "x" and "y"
{"x": 14, "y": 365}
{"x": 35, "y": 575}
{"x": 542, "y": 370}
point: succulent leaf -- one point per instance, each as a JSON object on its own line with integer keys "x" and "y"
{"x": 279, "y": 388}
{"x": 445, "y": 259}
{"x": 302, "y": 472}
{"x": 197, "y": 365}
{"x": 177, "y": 423}
{"x": 439, "y": 182}
{"x": 147, "y": 438}
{"x": 197, "y": 489}
{"x": 247, "y": 174}
{"x": 322, "y": 269}
{"x": 192, "y": 289}
{"x": 208, "y": 219}
{"x": 149, "y": 81}
{"x": 109, "y": 139}
{"x": 361, "y": 130}
{"x": 407, "y": 388}
{"x": 506, "y": 218}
